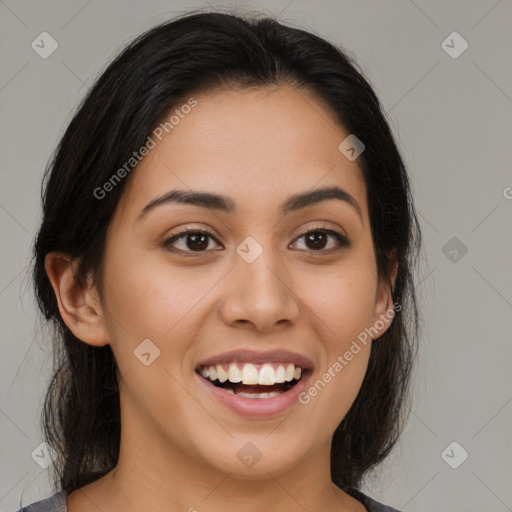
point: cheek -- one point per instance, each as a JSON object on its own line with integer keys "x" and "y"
{"x": 146, "y": 299}
{"x": 148, "y": 296}
{"x": 343, "y": 299}
{"x": 331, "y": 394}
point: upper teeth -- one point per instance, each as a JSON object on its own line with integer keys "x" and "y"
{"x": 249, "y": 374}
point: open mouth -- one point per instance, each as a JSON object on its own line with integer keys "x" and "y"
{"x": 253, "y": 381}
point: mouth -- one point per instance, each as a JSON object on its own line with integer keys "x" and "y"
{"x": 255, "y": 384}
{"x": 253, "y": 381}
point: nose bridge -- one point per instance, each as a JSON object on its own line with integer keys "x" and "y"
{"x": 259, "y": 265}
{"x": 260, "y": 292}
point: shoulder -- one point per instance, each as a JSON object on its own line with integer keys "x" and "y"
{"x": 55, "y": 503}
{"x": 370, "y": 504}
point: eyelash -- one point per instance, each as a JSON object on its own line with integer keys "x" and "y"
{"x": 341, "y": 239}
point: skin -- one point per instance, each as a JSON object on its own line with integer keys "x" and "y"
{"x": 179, "y": 447}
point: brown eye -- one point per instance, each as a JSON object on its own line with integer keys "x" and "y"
{"x": 316, "y": 240}
{"x": 194, "y": 240}
{"x": 198, "y": 240}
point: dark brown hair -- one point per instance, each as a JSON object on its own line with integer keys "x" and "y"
{"x": 193, "y": 53}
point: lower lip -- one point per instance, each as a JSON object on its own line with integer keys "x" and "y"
{"x": 258, "y": 407}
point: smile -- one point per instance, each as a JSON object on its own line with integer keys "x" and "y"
{"x": 253, "y": 381}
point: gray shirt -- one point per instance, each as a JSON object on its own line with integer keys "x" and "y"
{"x": 57, "y": 503}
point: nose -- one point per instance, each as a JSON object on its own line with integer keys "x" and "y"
{"x": 260, "y": 295}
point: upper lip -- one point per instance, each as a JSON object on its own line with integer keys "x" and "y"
{"x": 250, "y": 356}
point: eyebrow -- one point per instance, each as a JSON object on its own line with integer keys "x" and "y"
{"x": 226, "y": 204}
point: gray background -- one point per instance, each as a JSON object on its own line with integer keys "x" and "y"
{"x": 452, "y": 119}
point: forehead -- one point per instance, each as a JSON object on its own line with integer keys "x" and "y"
{"x": 258, "y": 146}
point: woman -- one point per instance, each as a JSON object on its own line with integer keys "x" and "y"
{"x": 226, "y": 254}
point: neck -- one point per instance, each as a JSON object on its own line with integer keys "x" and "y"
{"x": 176, "y": 482}
{"x": 162, "y": 476}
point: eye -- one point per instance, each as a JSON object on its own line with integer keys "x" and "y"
{"x": 197, "y": 240}
{"x": 316, "y": 240}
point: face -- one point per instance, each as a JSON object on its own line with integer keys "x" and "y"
{"x": 251, "y": 283}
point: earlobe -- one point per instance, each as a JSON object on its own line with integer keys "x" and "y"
{"x": 384, "y": 311}
{"x": 79, "y": 304}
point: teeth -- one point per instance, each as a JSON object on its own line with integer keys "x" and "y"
{"x": 258, "y": 395}
{"x": 290, "y": 372}
{"x": 234, "y": 373}
{"x": 249, "y": 373}
{"x": 267, "y": 375}
{"x": 221, "y": 373}
{"x": 280, "y": 374}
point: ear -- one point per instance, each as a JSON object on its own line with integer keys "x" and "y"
{"x": 384, "y": 309}
{"x": 79, "y": 304}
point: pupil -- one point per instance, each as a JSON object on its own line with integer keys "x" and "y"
{"x": 314, "y": 236}
{"x": 195, "y": 236}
